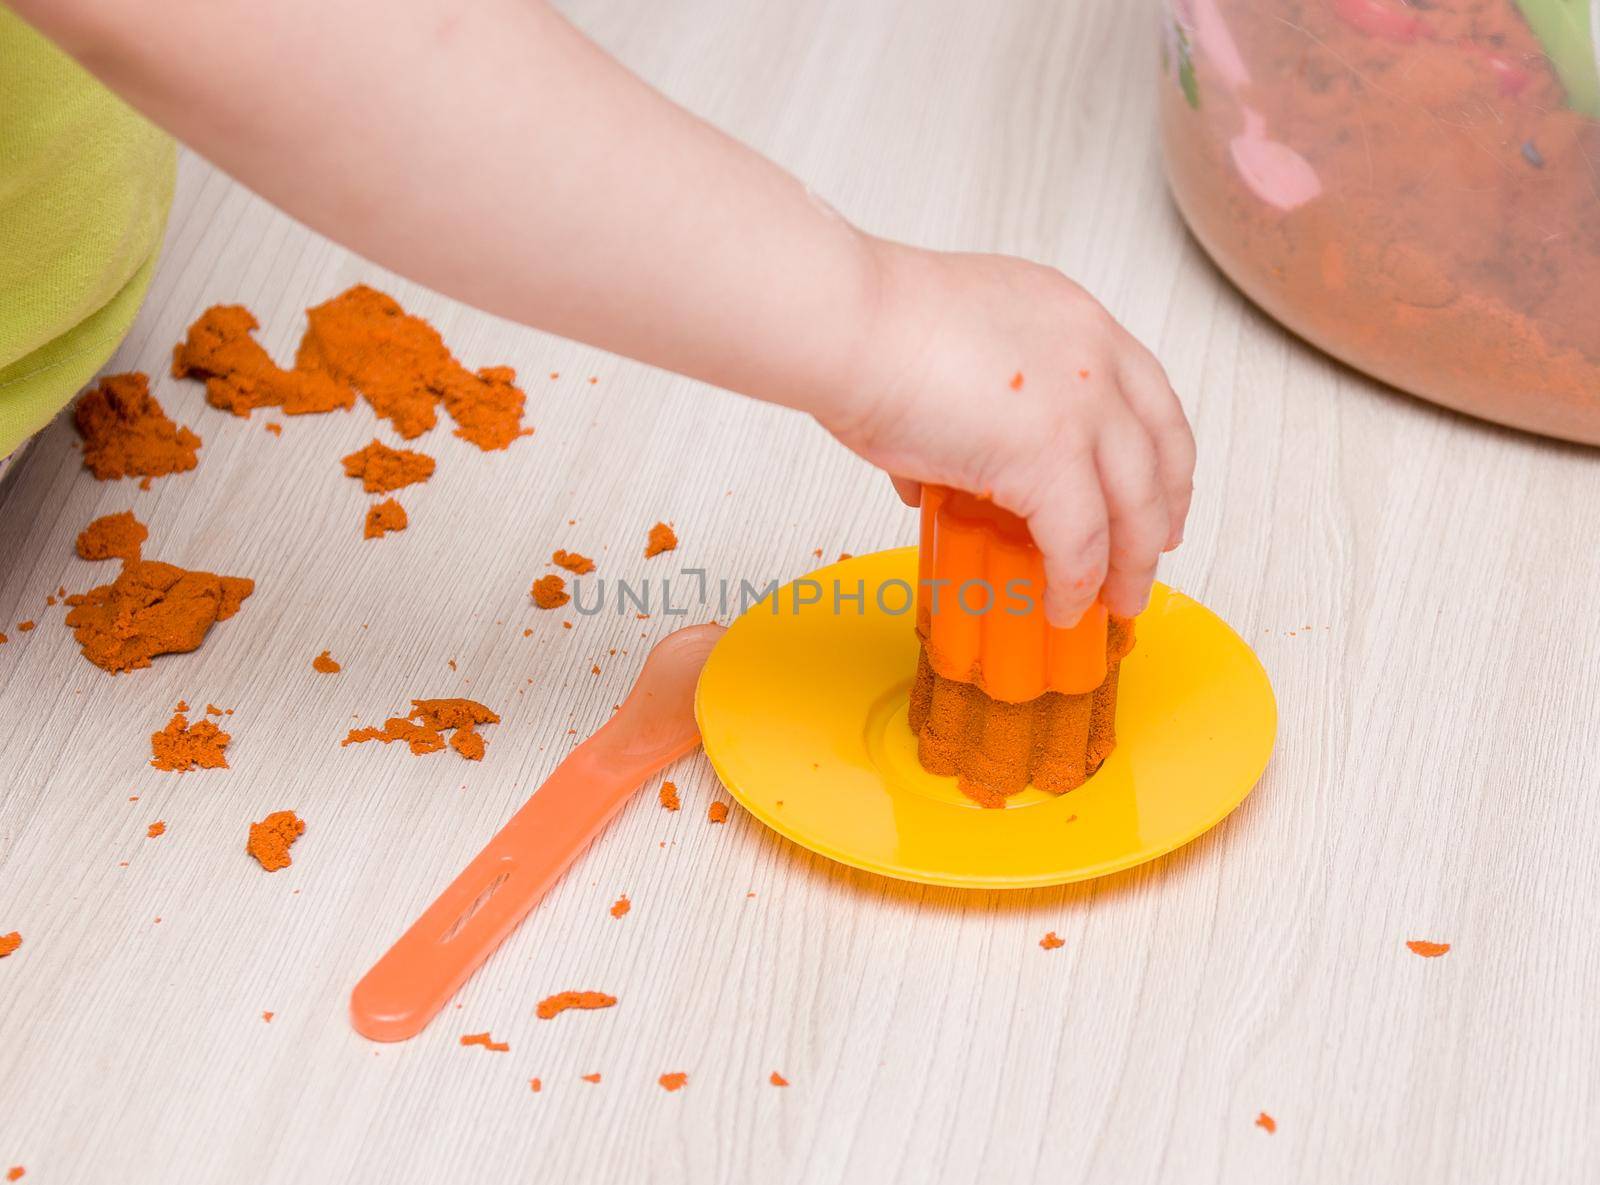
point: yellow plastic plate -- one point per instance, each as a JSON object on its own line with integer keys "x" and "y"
{"x": 803, "y": 714}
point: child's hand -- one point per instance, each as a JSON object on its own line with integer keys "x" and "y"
{"x": 1001, "y": 377}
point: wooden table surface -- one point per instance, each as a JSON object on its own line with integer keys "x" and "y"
{"x": 1420, "y": 587}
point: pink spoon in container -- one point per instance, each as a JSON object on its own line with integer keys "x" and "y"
{"x": 427, "y": 966}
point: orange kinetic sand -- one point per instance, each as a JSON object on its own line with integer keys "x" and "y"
{"x": 662, "y": 538}
{"x": 594, "y": 1078}
{"x": 1439, "y": 227}
{"x": 1266, "y": 1123}
{"x": 151, "y": 608}
{"x": 669, "y": 796}
{"x": 112, "y": 536}
{"x": 549, "y": 592}
{"x": 554, "y": 1005}
{"x": 384, "y": 517}
{"x": 717, "y": 812}
{"x": 467, "y": 743}
{"x": 1001, "y": 699}
{"x": 182, "y": 746}
{"x": 778, "y": 1079}
{"x": 383, "y": 470}
{"x": 324, "y": 664}
{"x": 423, "y": 731}
{"x": 269, "y": 840}
{"x": 1052, "y": 941}
{"x": 125, "y": 432}
{"x": 399, "y": 363}
{"x": 621, "y": 906}
{"x": 1428, "y": 950}
{"x": 9, "y": 943}
{"x": 483, "y": 1040}
{"x": 451, "y": 713}
{"x": 673, "y": 1081}
{"x": 158, "y": 828}
{"x": 239, "y": 374}
{"x": 578, "y": 565}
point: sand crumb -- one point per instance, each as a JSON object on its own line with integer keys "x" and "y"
{"x": 423, "y": 731}
{"x": 382, "y": 469}
{"x": 383, "y": 517}
{"x": 182, "y": 746}
{"x": 1428, "y": 950}
{"x": 552, "y": 1006}
{"x": 270, "y": 839}
{"x": 549, "y": 592}
{"x": 578, "y": 565}
{"x": 662, "y": 538}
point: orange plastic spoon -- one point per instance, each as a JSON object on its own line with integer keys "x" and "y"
{"x": 430, "y": 962}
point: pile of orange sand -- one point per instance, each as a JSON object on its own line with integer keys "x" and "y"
{"x": 364, "y": 340}
{"x": 239, "y": 374}
{"x": 127, "y": 434}
{"x": 150, "y": 608}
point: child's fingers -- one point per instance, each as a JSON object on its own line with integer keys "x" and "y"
{"x": 910, "y": 491}
{"x": 1150, "y": 395}
{"x": 1136, "y": 511}
{"x": 1069, "y": 525}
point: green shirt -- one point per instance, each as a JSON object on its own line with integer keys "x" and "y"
{"x": 85, "y": 184}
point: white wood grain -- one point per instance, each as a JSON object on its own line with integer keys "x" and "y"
{"x": 1420, "y": 587}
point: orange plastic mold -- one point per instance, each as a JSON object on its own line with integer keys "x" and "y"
{"x": 980, "y": 605}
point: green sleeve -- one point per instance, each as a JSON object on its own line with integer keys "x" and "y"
{"x": 85, "y": 184}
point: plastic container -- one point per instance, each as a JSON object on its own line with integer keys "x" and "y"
{"x": 1412, "y": 186}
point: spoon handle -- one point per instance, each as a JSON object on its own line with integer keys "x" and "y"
{"x": 419, "y": 974}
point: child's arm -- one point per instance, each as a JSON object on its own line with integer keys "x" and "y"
{"x": 488, "y": 150}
